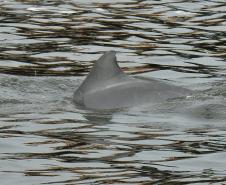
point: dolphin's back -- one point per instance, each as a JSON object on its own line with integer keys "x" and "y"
{"x": 132, "y": 93}
{"x": 108, "y": 87}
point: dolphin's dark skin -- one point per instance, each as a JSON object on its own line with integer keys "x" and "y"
{"x": 108, "y": 87}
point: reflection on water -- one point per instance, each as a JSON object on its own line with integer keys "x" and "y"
{"x": 46, "y": 49}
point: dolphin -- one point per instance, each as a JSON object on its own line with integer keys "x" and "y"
{"x": 108, "y": 87}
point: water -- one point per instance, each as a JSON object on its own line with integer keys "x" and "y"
{"x": 46, "y": 49}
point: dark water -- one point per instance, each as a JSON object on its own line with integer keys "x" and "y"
{"x": 46, "y": 48}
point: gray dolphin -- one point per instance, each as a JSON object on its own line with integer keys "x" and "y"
{"x": 108, "y": 87}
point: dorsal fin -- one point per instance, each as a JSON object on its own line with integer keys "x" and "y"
{"x": 104, "y": 69}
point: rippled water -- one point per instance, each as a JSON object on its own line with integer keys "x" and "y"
{"x": 46, "y": 48}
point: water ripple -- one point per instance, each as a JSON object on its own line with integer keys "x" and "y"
{"x": 46, "y": 49}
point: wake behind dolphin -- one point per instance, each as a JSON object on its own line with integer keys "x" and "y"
{"x": 108, "y": 87}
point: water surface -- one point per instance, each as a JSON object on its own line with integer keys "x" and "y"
{"x": 47, "y": 48}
